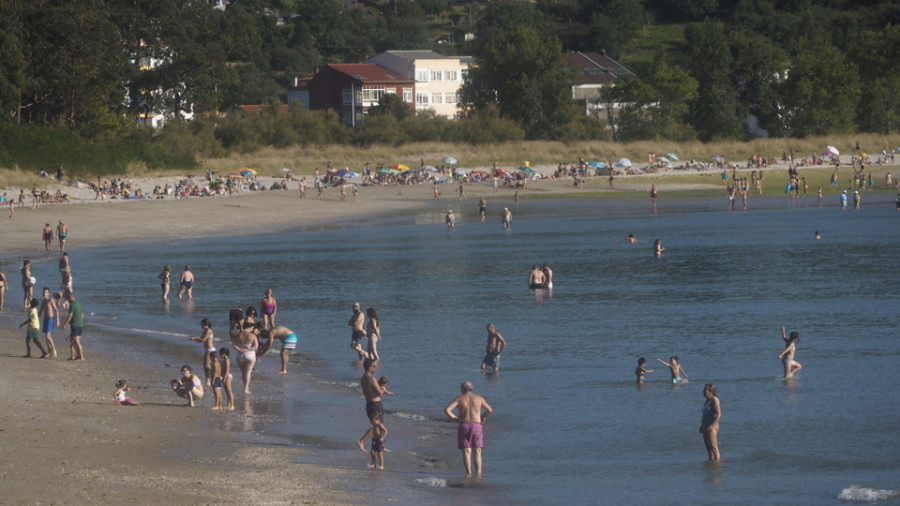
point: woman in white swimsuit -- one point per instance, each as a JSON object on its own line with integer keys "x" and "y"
{"x": 189, "y": 386}
{"x": 373, "y": 332}
{"x": 246, "y": 343}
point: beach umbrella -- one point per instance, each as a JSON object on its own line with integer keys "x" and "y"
{"x": 480, "y": 173}
{"x": 623, "y": 162}
{"x": 387, "y": 171}
{"x": 399, "y": 166}
{"x": 234, "y": 175}
{"x": 346, "y": 173}
{"x": 717, "y": 158}
{"x": 664, "y": 160}
{"x": 449, "y": 160}
{"x": 409, "y": 173}
{"x": 599, "y": 165}
{"x": 672, "y": 156}
{"x": 285, "y": 169}
{"x": 527, "y": 170}
{"x": 833, "y": 150}
{"x": 429, "y": 168}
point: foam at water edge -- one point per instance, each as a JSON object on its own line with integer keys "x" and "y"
{"x": 431, "y": 481}
{"x": 856, "y": 493}
{"x": 408, "y": 416}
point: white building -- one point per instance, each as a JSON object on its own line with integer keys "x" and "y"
{"x": 438, "y": 77}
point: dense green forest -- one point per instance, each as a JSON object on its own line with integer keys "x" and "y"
{"x": 77, "y": 68}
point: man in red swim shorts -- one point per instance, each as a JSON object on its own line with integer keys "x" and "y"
{"x": 470, "y": 434}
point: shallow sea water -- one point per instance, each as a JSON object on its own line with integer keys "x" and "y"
{"x": 569, "y": 423}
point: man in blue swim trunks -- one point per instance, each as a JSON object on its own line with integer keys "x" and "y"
{"x": 49, "y": 314}
{"x": 62, "y": 231}
{"x": 288, "y": 342}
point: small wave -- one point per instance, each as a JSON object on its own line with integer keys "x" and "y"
{"x": 856, "y": 493}
{"x": 431, "y": 481}
{"x": 408, "y": 416}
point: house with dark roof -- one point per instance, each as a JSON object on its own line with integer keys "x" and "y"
{"x": 352, "y": 88}
{"x": 594, "y": 73}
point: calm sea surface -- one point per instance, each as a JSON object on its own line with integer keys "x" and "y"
{"x": 569, "y": 423}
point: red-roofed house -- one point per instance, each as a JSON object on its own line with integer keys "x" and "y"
{"x": 352, "y": 88}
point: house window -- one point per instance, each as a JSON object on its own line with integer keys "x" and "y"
{"x": 422, "y": 76}
{"x": 437, "y": 98}
{"x": 348, "y": 97}
{"x": 436, "y": 75}
{"x": 372, "y": 94}
{"x": 464, "y": 74}
{"x": 449, "y": 75}
{"x": 450, "y": 98}
{"x": 407, "y": 95}
{"x": 422, "y": 98}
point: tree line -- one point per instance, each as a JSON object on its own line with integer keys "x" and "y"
{"x": 799, "y": 67}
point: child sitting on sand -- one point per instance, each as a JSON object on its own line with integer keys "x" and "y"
{"x": 379, "y": 434}
{"x": 121, "y": 400}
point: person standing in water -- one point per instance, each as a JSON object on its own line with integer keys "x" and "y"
{"x": 357, "y": 322}
{"x": 268, "y": 306}
{"x": 507, "y": 218}
{"x": 473, "y": 412}
{"x": 451, "y": 221}
{"x": 165, "y": 277}
{"x": 536, "y": 278}
{"x": 791, "y": 366}
{"x": 186, "y": 284}
{"x": 482, "y": 206}
{"x": 495, "y": 346}
{"x": 288, "y": 340}
{"x": 678, "y": 374}
{"x": 709, "y": 423}
{"x": 372, "y": 391}
{"x": 548, "y": 276}
{"x": 75, "y": 321}
{"x": 658, "y": 248}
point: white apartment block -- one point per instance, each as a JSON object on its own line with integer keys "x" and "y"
{"x": 438, "y": 77}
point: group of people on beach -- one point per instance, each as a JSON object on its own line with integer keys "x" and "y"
{"x": 43, "y": 316}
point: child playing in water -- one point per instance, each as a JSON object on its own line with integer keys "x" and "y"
{"x": 215, "y": 372}
{"x": 225, "y": 373}
{"x": 676, "y": 370}
{"x": 34, "y": 325}
{"x": 120, "y": 398}
{"x": 379, "y": 434}
{"x": 641, "y": 370}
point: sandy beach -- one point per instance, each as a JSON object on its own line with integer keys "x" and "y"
{"x": 63, "y": 438}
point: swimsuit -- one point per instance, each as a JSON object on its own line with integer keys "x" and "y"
{"x": 709, "y": 414}
{"x": 49, "y": 324}
{"x": 492, "y": 360}
{"x": 217, "y": 383}
{"x": 268, "y": 308}
{"x": 470, "y": 435}
{"x": 374, "y": 408}
{"x": 122, "y": 400}
{"x": 187, "y": 284}
{"x": 196, "y": 382}
{"x": 290, "y": 342}
{"x": 377, "y": 444}
{"x": 62, "y": 236}
{"x": 357, "y": 335}
{"x": 676, "y": 380}
{"x": 247, "y": 355}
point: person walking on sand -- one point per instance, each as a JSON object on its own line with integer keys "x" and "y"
{"x": 709, "y": 422}
{"x": 462, "y": 192}
{"x": 268, "y": 306}
{"x": 678, "y": 374}
{"x": 4, "y": 286}
{"x": 451, "y": 221}
{"x": 473, "y": 412}
{"x": 62, "y": 231}
{"x": 495, "y": 346}
{"x": 372, "y": 391}
{"x": 357, "y": 322}
{"x": 34, "y": 326}
{"x": 379, "y": 434}
{"x": 49, "y": 315}
{"x": 288, "y": 340}
{"x": 75, "y": 321}
{"x": 63, "y": 266}
{"x": 48, "y": 237}
{"x": 186, "y": 284}
{"x": 164, "y": 278}
{"x": 791, "y": 366}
